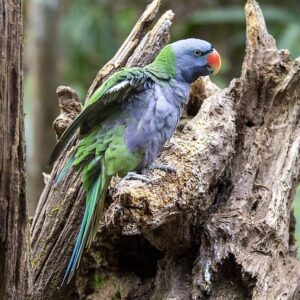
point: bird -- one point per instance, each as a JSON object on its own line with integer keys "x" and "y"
{"x": 126, "y": 122}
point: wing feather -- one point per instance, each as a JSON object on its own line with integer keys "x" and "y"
{"x": 101, "y": 104}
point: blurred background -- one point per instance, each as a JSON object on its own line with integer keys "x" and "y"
{"x": 67, "y": 42}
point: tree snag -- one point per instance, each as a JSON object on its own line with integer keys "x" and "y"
{"x": 219, "y": 227}
{"x": 14, "y": 227}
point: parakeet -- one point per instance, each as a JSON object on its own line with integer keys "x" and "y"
{"x": 126, "y": 122}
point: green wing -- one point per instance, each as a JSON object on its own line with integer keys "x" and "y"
{"x": 105, "y": 101}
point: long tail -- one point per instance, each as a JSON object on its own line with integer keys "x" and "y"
{"x": 94, "y": 207}
{"x": 65, "y": 170}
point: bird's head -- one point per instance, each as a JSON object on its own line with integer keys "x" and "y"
{"x": 195, "y": 58}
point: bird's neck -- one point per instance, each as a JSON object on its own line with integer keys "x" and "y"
{"x": 163, "y": 67}
{"x": 176, "y": 92}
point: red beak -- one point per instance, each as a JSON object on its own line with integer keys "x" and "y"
{"x": 214, "y": 61}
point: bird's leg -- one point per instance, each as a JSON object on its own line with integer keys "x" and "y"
{"x": 163, "y": 167}
{"x": 135, "y": 176}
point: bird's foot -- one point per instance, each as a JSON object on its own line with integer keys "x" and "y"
{"x": 135, "y": 176}
{"x": 163, "y": 167}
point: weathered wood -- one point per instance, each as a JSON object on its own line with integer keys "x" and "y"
{"x": 218, "y": 228}
{"x": 70, "y": 107}
{"x": 250, "y": 231}
{"x": 14, "y": 227}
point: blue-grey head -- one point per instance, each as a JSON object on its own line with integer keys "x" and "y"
{"x": 189, "y": 59}
{"x": 195, "y": 58}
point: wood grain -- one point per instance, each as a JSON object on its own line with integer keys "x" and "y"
{"x": 14, "y": 227}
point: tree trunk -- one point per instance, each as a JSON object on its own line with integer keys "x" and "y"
{"x": 42, "y": 54}
{"x": 14, "y": 229}
{"x": 219, "y": 227}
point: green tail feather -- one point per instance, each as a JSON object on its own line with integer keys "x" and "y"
{"x": 94, "y": 207}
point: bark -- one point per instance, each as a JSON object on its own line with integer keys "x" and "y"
{"x": 42, "y": 53}
{"x": 14, "y": 229}
{"x": 219, "y": 227}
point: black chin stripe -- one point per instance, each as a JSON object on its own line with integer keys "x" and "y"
{"x": 206, "y": 52}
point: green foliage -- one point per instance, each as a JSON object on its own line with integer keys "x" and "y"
{"x": 296, "y": 207}
{"x": 290, "y": 38}
{"x": 91, "y": 32}
{"x": 235, "y": 14}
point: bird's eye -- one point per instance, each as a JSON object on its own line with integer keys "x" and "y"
{"x": 197, "y": 53}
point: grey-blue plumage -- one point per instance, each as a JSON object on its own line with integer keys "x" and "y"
{"x": 153, "y": 117}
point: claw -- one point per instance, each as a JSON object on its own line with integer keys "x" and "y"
{"x": 162, "y": 167}
{"x": 135, "y": 176}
